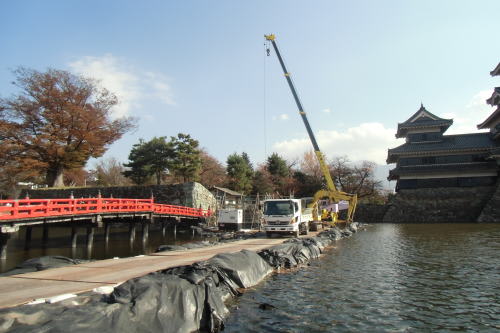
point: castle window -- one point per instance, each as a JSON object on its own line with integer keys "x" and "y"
{"x": 429, "y": 160}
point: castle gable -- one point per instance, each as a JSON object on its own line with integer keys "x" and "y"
{"x": 423, "y": 121}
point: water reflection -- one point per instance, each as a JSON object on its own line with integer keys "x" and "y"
{"x": 123, "y": 240}
{"x": 388, "y": 278}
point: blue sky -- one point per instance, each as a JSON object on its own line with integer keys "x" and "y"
{"x": 199, "y": 67}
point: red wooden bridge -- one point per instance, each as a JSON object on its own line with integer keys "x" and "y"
{"x": 27, "y": 210}
{"x": 89, "y": 213}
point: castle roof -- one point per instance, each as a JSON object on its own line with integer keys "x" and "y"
{"x": 490, "y": 120}
{"x": 458, "y": 168}
{"x": 423, "y": 119}
{"x": 496, "y": 71}
{"x": 495, "y": 97}
{"x": 449, "y": 144}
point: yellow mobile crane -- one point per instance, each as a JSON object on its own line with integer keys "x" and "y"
{"x": 331, "y": 192}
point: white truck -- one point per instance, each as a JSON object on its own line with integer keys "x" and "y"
{"x": 286, "y": 216}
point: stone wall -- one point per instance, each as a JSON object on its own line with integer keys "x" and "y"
{"x": 370, "y": 213}
{"x": 438, "y": 205}
{"x": 188, "y": 194}
{"x": 491, "y": 211}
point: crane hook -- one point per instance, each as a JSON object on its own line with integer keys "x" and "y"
{"x": 268, "y": 52}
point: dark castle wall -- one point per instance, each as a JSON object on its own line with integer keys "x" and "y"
{"x": 436, "y": 205}
{"x": 370, "y": 213}
{"x": 439, "y": 205}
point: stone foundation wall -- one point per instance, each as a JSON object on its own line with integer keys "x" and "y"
{"x": 491, "y": 211}
{"x": 438, "y": 205}
{"x": 188, "y": 194}
{"x": 370, "y": 213}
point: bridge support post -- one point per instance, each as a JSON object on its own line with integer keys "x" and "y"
{"x": 4, "y": 237}
{"x": 131, "y": 233}
{"x": 145, "y": 232}
{"x": 74, "y": 237}
{"x": 90, "y": 237}
{"x": 163, "y": 228}
{"x": 45, "y": 236}
{"x": 27, "y": 241}
{"x": 145, "y": 235}
{"x": 99, "y": 221}
{"x": 107, "y": 229}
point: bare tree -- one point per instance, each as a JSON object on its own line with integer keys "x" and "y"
{"x": 109, "y": 172}
{"x": 357, "y": 179}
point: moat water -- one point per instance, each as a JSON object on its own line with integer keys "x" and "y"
{"x": 389, "y": 278}
{"x": 59, "y": 243}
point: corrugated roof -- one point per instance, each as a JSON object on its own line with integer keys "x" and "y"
{"x": 228, "y": 191}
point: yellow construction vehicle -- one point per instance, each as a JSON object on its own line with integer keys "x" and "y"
{"x": 331, "y": 191}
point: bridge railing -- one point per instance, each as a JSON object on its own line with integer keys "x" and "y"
{"x": 31, "y": 208}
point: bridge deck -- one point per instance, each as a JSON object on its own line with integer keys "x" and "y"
{"x": 22, "y": 288}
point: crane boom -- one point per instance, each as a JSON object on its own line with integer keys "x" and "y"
{"x": 331, "y": 191}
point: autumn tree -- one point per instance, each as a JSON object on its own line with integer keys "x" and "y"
{"x": 212, "y": 171}
{"x": 14, "y": 169}
{"x": 240, "y": 172}
{"x": 59, "y": 120}
{"x": 309, "y": 165}
{"x": 262, "y": 182}
{"x": 308, "y": 179}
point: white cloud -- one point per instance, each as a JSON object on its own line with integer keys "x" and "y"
{"x": 327, "y": 110}
{"x": 466, "y": 120}
{"x": 128, "y": 84}
{"x": 368, "y": 141}
{"x": 478, "y": 101}
{"x": 282, "y": 116}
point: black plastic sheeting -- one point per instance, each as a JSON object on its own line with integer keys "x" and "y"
{"x": 223, "y": 237}
{"x": 42, "y": 263}
{"x": 181, "y": 299}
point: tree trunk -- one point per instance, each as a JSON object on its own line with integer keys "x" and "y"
{"x": 158, "y": 178}
{"x": 55, "y": 177}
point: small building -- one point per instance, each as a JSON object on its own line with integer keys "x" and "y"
{"x": 227, "y": 198}
{"x": 430, "y": 159}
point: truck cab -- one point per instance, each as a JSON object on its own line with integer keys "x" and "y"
{"x": 285, "y": 216}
